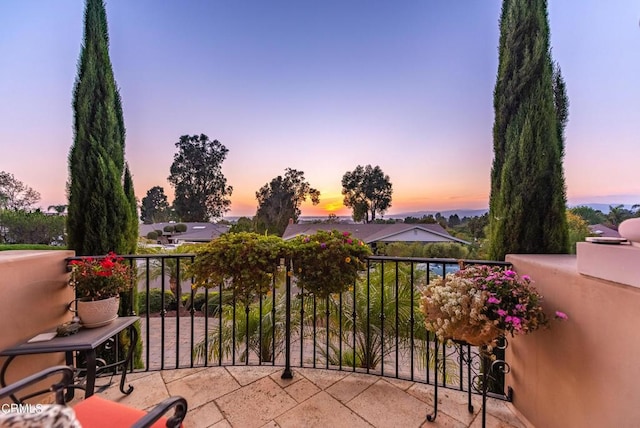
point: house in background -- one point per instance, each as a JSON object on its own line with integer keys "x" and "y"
{"x": 371, "y": 234}
{"x": 603, "y": 231}
{"x": 196, "y": 232}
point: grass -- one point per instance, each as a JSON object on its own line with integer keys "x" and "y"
{"x": 6, "y": 247}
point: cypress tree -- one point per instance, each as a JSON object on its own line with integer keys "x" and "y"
{"x": 132, "y": 224}
{"x": 98, "y": 212}
{"x": 528, "y": 200}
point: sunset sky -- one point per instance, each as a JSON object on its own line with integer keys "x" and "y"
{"x": 320, "y": 86}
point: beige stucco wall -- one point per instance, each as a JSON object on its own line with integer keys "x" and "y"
{"x": 583, "y": 372}
{"x": 34, "y": 294}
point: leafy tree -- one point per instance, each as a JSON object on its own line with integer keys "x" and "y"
{"x": 454, "y": 220}
{"x": 99, "y": 212}
{"x": 155, "y": 206}
{"x": 367, "y": 191}
{"x": 528, "y": 201}
{"x": 578, "y": 230}
{"x": 14, "y": 194}
{"x": 244, "y": 224}
{"x": 477, "y": 225}
{"x": 280, "y": 200}
{"x": 617, "y": 215}
{"x": 590, "y": 215}
{"x": 201, "y": 190}
{"x": 23, "y": 227}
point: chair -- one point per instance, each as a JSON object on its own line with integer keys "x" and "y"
{"x": 93, "y": 412}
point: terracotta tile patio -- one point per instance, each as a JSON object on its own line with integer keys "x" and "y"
{"x": 254, "y": 396}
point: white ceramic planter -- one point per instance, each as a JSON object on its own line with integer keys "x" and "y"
{"x": 99, "y": 312}
{"x": 630, "y": 229}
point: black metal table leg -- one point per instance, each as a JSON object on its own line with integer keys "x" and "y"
{"x": 125, "y": 364}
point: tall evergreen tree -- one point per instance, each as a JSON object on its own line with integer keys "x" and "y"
{"x": 528, "y": 200}
{"x": 98, "y": 213}
{"x": 132, "y": 226}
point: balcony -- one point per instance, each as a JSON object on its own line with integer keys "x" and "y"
{"x": 565, "y": 376}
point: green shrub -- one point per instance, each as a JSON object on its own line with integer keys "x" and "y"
{"x": 181, "y": 228}
{"x": 155, "y": 301}
{"x": 169, "y": 228}
{"x": 153, "y": 235}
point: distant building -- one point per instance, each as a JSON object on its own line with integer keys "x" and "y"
{"x": 603, "y": 231}
{"x": 196, "y": 232}
{"x": 373, "y": 233}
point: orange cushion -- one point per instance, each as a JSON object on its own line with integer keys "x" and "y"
{"x": 96, "y": 412}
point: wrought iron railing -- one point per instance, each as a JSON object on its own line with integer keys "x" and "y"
{"x": 375, "y": 327}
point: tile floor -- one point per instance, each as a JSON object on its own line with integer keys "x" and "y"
{"x": 251, "y": 396}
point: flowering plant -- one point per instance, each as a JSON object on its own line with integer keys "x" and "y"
{"x": 243, "y": 262}
{"x": 479, "y": 303}
{"x": 100, "y": 278}
{"x": 328, "y": 262}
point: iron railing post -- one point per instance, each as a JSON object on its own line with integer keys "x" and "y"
{"x": 287, "y": 374}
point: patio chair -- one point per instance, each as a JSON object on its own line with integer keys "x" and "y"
{"x": 93, "y": 412}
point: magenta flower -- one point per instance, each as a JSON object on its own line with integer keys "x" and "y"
{"x": 493, "y": 300}
{"x": 526, "y": 277}
{"x": 345, "y": 233}
{"x": 509, "y": 273}
{"x": 501, "y": 312}
{"x": 561, "y": 315}
{"x": 323, "y": 245}
{"x": 349, "y": 241}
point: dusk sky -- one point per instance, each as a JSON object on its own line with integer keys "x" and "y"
{"x": 320, "y": 86}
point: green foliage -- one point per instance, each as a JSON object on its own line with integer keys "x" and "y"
{"x": 250, "y": 321}
{"x": 22, "y": 227}
{"x": 201, "y": 190}
{"x": 15, "y": 195}
{"x": 328, "y": 262}
{"x": 527, "y": 204}
{"x": 155, "y": 301}
{"x": 155, "y": 206}
{"x": 10, "y": 247}
{"x": 244, "y": 224}
{"x": 99, "y": 212}
{"x": 588, "y": 214}
{"x": 279, "y": 201}
{"x": 153, "y": 235}
{"x": 618, "y": 214}
{"x": 169, "y": 228}
{"x": 131, "y": 235}
{"x": 180, "y": 228}
{"x": 578, "y": 230}
{"x": 243, "y": 262}
{"x": 429, "y": 250}
{"x": 369, "y": 314}
{"x": 367, "y": 191}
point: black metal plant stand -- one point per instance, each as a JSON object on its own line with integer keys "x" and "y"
{"x": 492, "y": 369}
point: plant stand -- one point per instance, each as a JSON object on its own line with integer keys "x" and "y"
{"x": 490, "y": 370}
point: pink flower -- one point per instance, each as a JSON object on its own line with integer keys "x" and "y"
{"x": 493, "y": 300}
{"x": 345, "y": 233}
{"x": 501, "y": 312}
{"x": 323, "y": 245}
{"x": 509, "y": 273}
{"x": 349, "y": 241}
{"x": 561, "y": 315}
{"x": 526, "y": 277}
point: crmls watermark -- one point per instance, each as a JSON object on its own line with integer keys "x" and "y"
{"x": 21, "y": 408}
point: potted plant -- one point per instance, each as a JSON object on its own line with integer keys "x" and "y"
{"x": 479, "y": 304}
{"x": 328, "y": 262}
{"x": 243, "y": 263}
{"x": 98, "y": 281}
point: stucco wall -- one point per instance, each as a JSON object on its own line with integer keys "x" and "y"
{"x": 583, "y": 372}
{"x": 34, "y": 295}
